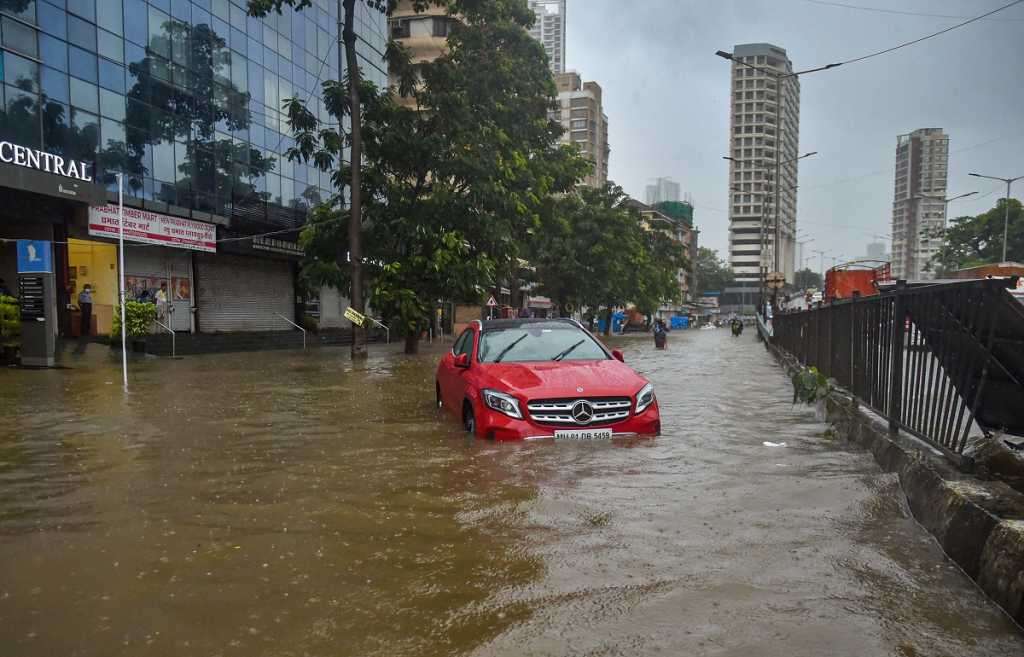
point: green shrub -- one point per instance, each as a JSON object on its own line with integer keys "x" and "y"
{"x": 10, "y": 321}
{"x": 810, "y": 385}
{"x": 140, "y": 318}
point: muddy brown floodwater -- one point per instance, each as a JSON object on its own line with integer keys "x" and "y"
{"x": 279, "y": 504}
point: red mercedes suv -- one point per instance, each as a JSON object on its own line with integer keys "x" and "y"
{"x": 517, "y": 379}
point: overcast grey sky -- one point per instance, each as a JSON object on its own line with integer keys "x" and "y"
{"x": 667, "y": 99}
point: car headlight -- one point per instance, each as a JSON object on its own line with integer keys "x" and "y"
{"x": 503, "y": 403}
{"x": 644, "y": 398}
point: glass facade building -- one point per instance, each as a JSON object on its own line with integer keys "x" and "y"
{"x": 185, "y": 97}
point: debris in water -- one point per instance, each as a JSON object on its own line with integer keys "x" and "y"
{"x": 771, "y": 444}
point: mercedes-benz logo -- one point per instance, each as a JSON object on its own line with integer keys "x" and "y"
{"x": 582, "y": 412}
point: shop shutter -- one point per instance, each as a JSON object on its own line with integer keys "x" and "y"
{"x": 236, "y": 293}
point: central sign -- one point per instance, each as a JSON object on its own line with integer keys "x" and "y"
{"x": 153, "y": 228}
{"x": 30, "y": 158}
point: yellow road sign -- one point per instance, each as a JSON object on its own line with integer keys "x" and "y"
{"x": 355, "y": 317}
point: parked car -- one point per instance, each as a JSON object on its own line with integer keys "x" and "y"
{"x": 543, "y": 378}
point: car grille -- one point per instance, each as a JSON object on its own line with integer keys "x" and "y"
{"x": 606, "y": 410}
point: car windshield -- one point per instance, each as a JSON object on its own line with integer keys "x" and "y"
{"x": 540, "y": 341}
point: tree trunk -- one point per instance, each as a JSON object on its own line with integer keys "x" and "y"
{"x": 355, "y": 225}
{"x": 412, "y": 343}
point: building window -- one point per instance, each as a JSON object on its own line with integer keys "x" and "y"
{"x": 22, "y": 38}
{"x": 400, "y": 29}
{"x": 441, "y": 26}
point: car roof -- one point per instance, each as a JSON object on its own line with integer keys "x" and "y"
{"x": 499, "y": 324}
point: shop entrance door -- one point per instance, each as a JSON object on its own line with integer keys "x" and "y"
{"x": 148, "y": 267}
{"x": 93, "y": 263}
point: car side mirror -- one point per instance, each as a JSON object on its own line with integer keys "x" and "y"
{"x": 462, "y": 360}
{"x": 617, "y": 355}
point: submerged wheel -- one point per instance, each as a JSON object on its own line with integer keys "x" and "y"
{"x": 468, "y": 419}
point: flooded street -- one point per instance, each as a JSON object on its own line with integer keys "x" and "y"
{"x": 282, "y": 503}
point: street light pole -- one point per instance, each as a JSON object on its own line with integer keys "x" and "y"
{"x": 1006, "y": 214}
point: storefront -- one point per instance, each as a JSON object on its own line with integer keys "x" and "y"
{"x": 41, "y": 195}
{"x": 157, "y": 255}
{"x": 248, "y": 286}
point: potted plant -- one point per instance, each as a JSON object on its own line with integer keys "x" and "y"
{"x": 140, "y": 318}
{"x": 10, "y": 329}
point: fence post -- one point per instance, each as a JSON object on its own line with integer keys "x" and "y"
{"x": 899, "y": 321}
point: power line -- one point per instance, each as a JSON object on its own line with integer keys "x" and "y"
{"x": 935, "y": 34}
{"x": 895, "y": 11}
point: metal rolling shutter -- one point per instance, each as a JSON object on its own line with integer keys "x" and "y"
{"x": 236, "y": 293}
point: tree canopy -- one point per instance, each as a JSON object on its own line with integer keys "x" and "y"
{"x": 591, "y": 249}
{"x": 971, "y": 241}
{"x": 451, "y": 186}
{"x": 713, "y": 274}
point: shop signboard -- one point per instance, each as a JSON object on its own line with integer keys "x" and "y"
{"x": 277, "y": 245}
{"x": 34, "y": 257}
{"x": 153, "y": 228}
{"x": 32, "y": 296}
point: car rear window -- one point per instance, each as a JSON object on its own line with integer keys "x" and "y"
{"x": 542, "y": 341}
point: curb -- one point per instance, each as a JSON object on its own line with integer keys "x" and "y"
{"x": 979, "y": 524}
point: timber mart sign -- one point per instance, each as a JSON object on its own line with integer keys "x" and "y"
{"x": 30, "y": 158}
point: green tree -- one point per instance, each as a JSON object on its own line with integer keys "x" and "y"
{"x": 712, "y": 273}
{"x": 806, "y": 279}
{"x": 449, "y": 188}
{"x": 972, "y": 241}
{"x": 591, "y": 250}
{"x": 348, "y": 102}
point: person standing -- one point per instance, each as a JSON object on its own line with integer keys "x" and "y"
{"x": 85, "y": 309}
{"x": 161, "y": 303}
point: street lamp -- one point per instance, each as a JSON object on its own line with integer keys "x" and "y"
{"x": 1006, "y": 217}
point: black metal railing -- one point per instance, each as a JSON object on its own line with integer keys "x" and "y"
{"x": 935, "y": 359}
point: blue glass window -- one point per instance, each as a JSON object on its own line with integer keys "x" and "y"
{"x": 53, "y": 52}
{"x": 182, "y": 10}
{"x": 20, "y": 37}
{"x": 112, "y": 76}
{"x": 222, "y": 9}
{"x": 162, "y": 4}
{"x": 158, "y": 38}
{"x": 54, "y": 84}
{"x": 111, "y": 46}
{"x": 82, "y": 64}
{"x": 22, "y": 73}
{"x": 84, "y": 8}
{"x": 55, "y": 122}
{"x": 83, "y": 95}
{"x": 108, "y": 15}
{"x": 112, "y": 131}
{"x": 112, "y": 105}
{"x": 87, "y": 127}
{"x": 136, "y": 21}
{"x": 200, "y": 16}
{"x": 53, "y": 20}
{"x": 81, "y": 33}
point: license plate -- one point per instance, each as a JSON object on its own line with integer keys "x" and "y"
{"x": 583, "y": 434}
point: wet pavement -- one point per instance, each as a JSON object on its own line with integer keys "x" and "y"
{"x": 285, "y": 504}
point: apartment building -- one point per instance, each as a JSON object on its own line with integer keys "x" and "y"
{"x": 764, "y": 130}
{"x": 549, "y": 29}
{"x": 918, "y": 208}
{"x": 581, "y": 114}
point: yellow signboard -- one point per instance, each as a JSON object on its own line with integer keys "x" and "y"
{"x": 355, "y": 317}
